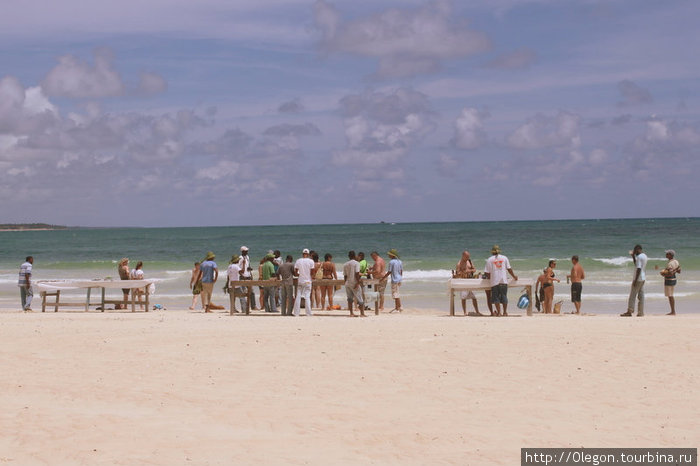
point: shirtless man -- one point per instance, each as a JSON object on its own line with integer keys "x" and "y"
{"x": 377, "y": 270}
{"x": 576, "y": 276}
{"x": 465, "y": 269}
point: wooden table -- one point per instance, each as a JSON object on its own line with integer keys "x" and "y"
{"x": 475, "y": 284}
{"x": 249, "y": 284}
{"x": 54, "y": 287}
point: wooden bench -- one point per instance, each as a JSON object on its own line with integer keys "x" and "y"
{"x": 319, "y": 282}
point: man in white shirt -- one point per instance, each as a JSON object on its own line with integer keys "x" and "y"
{"x": 25, "y": 284}
{"x": 497, "y": 269}
{"x": 233, "y": 275}
{"x": 637, "y": 288}
{"x": 244, "y": 265}
{"x": 302, "y": 269}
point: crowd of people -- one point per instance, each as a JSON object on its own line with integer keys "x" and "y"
{"x": 498, "y": 267}
{"x": 312, "y": 289}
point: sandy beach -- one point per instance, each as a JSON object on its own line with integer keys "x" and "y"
{"x": 180, "y": 387}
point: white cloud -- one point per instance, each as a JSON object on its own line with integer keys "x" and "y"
{"x": 406, "y": 42}
{"x": 469, "y": 129}
{"x": 380, "y": 130}
{"x": 77, "y": 79}
{"x": 541, "y": 131}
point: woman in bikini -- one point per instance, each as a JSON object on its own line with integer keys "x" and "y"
{"x": 329, "y": 273}
{"x": 548, "y": 286}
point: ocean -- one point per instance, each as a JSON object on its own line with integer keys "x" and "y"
{"x": 429, "y": 252}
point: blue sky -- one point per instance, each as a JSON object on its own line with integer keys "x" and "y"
{"x": 169, "y": 113}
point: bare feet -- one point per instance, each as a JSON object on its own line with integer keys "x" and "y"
{"x": 671, "y": 313}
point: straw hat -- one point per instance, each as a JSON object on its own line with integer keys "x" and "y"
{"x": 496, "y": 249}
{"x": 393, "y": 253}
{"x": 210, "y": 256}
{"x": 234, "y": 259}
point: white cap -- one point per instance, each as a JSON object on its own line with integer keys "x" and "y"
{"x": 244, "y": 248}
{"x": 305, "y": 251}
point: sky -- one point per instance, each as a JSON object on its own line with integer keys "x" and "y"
{"x": 227, "y": 112}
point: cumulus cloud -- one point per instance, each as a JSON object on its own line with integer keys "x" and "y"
{"x": 632, "y": 94}
{"x": 517, "y": 59}
{"x": 406, "y": 42}
{"x": 77, "y": 79}
{"x": 541, "y": 131}
{"x": 291, "y": 106}
{"x": 469, "y": 129}
{"x": 380, "y": 130}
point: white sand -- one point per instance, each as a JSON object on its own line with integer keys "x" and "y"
{"x": 176, "y": 387}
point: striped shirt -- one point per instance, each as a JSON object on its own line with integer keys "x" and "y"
{"x": 25, "y": 271}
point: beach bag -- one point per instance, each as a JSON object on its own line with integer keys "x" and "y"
{"x": 319, "y": 273}
{"x": 523, "y": 301}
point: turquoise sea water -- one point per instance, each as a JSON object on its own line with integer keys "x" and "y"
{"x": 429, "y": 252}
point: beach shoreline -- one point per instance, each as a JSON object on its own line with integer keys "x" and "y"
{"x": 181, "y": 387}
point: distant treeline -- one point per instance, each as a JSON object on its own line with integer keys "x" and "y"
{"x": 31, "y": 226}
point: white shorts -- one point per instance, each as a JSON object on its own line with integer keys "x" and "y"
{"x": 395, "y": 290}
{"x": 668, "y": 291}
{"x": 467, "y": 295}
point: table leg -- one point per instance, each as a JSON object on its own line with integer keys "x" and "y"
{"x": 87, "y": 301}
{"x": 103, "y": 300}
{"x": 452, "y": 302}
{"x": 529, "y": 295}
{"x": 145, "y": 289}
{"x": 58, "y": 295}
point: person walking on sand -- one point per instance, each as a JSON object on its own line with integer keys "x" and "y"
{"x": 496, "y": 270}
{"x": 353, "y": 288}
{"x": 124, "y": 274}
{"x": 302, "y": 269}
{"x": 396, "y": 272}
{"x": 669, "y": 274}
{"x": 465, "y": 269}
{"x": 208, "y": 274}
{"x": 576, "y": 276}
{"x": 25, "y": 284}
{"x": 637, "y": 289}
{"x": 377, "y": 271}
{"x": 548, "y": 286}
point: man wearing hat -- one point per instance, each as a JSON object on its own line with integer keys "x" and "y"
{"x": 208, "y": 273}
{"x": 669, "y": 274}
{"x": 496, "y": 270}
{"x": 244, "y": 264}
{"x": 233, "y": 275}
{"x": 302, "y": 269}
{"x": 395, "y": 270}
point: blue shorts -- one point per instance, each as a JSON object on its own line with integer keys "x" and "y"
{"x": 499, "y": 294}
